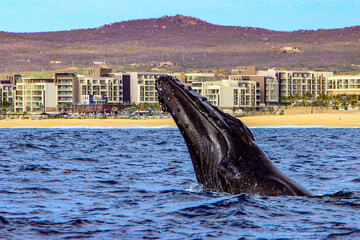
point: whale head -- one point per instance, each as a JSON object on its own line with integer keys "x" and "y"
{"x": 223, "y": 150}
{"x": 207, "y": 131}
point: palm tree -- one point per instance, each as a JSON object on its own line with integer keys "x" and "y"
{"x": 233, "y": 109}
{"x": 336, "y": 100}
{"x": 293, "y": 98}
{"x": 247, "y": 109}
{"x": 136, "y": 106}
{"x": 308, "y": 96}
{"x": 87, "y": 112}
{"x": 113, "y": 110}
{"x": 59, "y": 107}
{"x": 68, "y": 107}
{"x": 5, "y": 106}
{"x": 324, "y": 100}
{"x": 146, "y": 106}
{"x": 41, "y": 108}
{"x": 1, "y": 107}
{"x": 353, "y": 101}
{"x": 344, "y": 104}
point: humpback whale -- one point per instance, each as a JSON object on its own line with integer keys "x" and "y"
{"x": 222, "y": 149}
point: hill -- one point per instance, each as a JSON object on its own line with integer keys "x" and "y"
{"x": 189, "y": 43}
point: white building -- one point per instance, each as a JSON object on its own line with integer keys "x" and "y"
{"x": 299, "y": 82}
{"x": 142, "y": 87}
{"x": 34, "y": 95}
{"x": 344, "y": 84}
{"x": 228, "y": 94}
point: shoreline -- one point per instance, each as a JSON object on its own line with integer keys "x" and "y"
{"x": 302, "y": 120}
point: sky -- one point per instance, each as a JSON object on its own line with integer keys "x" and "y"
{"x": 280, "y": 15}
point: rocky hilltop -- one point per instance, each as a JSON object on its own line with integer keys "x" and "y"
{"x": 189, "y": 43}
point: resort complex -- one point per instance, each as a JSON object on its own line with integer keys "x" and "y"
{"x": 102, "y": 89}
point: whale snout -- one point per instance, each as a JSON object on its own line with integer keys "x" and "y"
{"x": 171, "y": 93}
{"x": 165, "y": 92}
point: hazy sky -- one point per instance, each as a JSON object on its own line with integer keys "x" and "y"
{"x": 284, "y": 15}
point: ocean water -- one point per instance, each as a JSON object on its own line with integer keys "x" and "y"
{"x": 140, "y": 184}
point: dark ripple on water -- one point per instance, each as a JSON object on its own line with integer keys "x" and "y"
{"x": 139, "y": 183}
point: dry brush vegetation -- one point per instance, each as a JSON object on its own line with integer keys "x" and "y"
{"x": 190, "y": 43}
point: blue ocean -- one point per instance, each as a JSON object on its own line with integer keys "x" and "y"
{"x": 85, "y": 183}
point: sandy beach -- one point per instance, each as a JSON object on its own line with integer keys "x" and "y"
{"x": 326, "y": 120}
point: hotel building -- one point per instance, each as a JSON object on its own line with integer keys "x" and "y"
{"x": 100, "y": 86}
{"x": 228, "y": 94}
{"x": 66, "y": 91}
{"x": 293, "y": 83}
{"x": 244, "y": 70}
{"x": 6, "y": 91}
{"x": 142, "y": 87}
{"x": 34, "y": 95}
{"x": 343, "y": 84}
{"x": 268, "y": 85}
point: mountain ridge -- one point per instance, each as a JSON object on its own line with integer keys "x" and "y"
{"x": 190, "y": 43}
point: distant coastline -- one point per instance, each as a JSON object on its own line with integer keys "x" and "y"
{"x": 301, "y": 120}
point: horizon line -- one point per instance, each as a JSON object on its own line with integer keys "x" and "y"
{"x": 173, "y": 16}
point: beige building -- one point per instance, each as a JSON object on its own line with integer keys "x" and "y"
{"x": 228, "y": 94}
{"x": 98, "y": 72}
{"x": 100, "y": 90}
{"x": 34, "y": 95}
{"x": 142, "y": 87}
{"x": 271, "y": 89}
{"x": 268, "y": 87}
{"x": 293, "y": 83}
{"x": 67, "y": 93}
{"x": 244, "y": 70}
{"x": 100, "y": 86}
{"x": 6, "y": 91}
{"x": 13, "y": 78}
{"x": 343, "y": 84}
{"x": 188, "y": 78}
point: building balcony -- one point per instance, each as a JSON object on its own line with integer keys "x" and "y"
{"x": 62, "y": 100}
{"x": 64, "y": 94}
{"x": 65, "y": 89}
{"x": 65, "y": 84}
